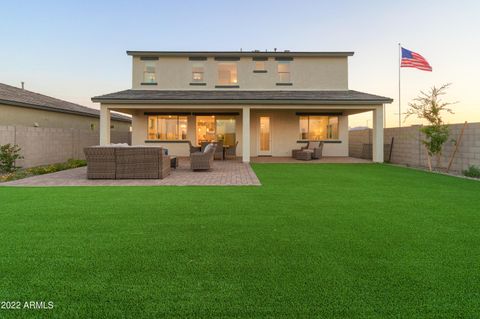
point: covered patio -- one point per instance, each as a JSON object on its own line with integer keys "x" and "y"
{"x": 260, "y": 123}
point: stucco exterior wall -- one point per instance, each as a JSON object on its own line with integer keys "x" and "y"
{"x": 29, "y": 117}
{"x": 285, "y": 132}
{"x": 307, "y": 73}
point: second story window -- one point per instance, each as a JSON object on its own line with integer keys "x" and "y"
{"x": 283, "y": 69}
{"x": 259, "y": 66}
{"x": 149, "y": 72}
{"x": 198, "y": 74}
{"x": 227, "y": 74}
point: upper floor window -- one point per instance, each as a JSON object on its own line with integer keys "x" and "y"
{"x": 198, "y": 74}
{"x": 283, "y": 70}
{"x": 318, "y": 127}
{"x": 227, "y": 74}
{"x": 259, "y": 66}
{"x": 167, "y": 127}
{"x": 149, "y": 72}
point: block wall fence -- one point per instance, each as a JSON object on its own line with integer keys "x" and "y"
{"x": 408, "y": 149}
{"x": 43, "y": 146}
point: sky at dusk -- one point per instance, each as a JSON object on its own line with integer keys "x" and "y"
{"x": 74, "y": 50}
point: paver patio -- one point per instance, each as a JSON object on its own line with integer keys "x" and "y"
{"x": 232, "y": 172}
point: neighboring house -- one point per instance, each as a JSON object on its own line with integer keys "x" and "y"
{"x": 19, "y": 107}
{"x": 270, "y": 102}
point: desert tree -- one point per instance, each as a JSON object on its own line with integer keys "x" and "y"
{"x": 430, "y": 107}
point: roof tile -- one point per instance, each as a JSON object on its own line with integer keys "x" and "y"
{"x": 20, "y": 97}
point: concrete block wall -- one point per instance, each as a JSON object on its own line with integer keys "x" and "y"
{"x": 356, "y": 140}
{"x": 409, "y": 150}
{"x": 42, "y": 146}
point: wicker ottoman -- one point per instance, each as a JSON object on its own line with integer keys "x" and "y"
{"x": 303, "y": 156}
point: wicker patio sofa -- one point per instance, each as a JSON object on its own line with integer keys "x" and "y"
{"x": 313, "y": 150}
{"x": 101, "y": 162}
{"x": 203, "y": 160}
{"x": 109, "y": 162}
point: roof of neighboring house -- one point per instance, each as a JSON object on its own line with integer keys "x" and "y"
{"x": 11, "y": 95}
{"x": 255, "y": 53}
{"x": 234, "y": 97}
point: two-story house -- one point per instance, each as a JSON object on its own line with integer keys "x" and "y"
{"x": 268, "y": 102}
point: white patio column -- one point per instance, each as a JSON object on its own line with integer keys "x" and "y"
{"x": 246, "y": 134}
{"x": 104, "y": 125}
{"x": 377, "y": 139}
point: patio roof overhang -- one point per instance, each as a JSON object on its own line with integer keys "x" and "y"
{"x": 206, "y": 97}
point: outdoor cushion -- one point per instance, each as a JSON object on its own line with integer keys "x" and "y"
{"x": 313, "y": 145}
{"x": 208, "y": 147}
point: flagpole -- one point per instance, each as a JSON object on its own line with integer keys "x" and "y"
{"x": 399, "y": 90}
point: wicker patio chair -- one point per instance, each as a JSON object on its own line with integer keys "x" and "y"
{"x": 193, "y": 149}
{"x": 219, "y": 151}
{"x": 231, "y": 151}
{"x": 203, "y": 160}
{"x": 101, "y": 162}
{"x": 304, "y": 156}
{"x": 313, "y": 147}
{"x": 203, "y": 145}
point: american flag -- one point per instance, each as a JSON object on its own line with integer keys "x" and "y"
{"x": 414, "y": 60}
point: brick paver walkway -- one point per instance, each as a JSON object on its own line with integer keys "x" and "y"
{"x": 224, "y": 173}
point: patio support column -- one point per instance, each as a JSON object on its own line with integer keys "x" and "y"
{"x": 377, "y": 140}
{"x": 246, "y": 134}
{"x": 104, "y": 125}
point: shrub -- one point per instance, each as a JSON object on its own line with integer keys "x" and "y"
{"x": 71, "y": 163}
{"x": 39, "y": 170}
{"x": 436, "y": 136}
{"x": 8, "y": 155}
{"x": 472, "y": 171}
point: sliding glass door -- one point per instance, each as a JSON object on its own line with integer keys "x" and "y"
{"x": 216, "y": 128}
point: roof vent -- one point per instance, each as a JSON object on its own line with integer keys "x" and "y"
{"x": 23, "y": 85}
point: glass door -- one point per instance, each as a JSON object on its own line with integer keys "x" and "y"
{"x": 265, "y": 137}
{"x": 216, "y": 128}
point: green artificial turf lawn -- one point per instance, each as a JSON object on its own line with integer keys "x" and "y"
{"x": 323, "y": 241}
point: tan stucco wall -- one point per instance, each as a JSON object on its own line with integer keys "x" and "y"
{"x": 284, "y": 129}
{"x": 307, "y": 73}
{"x": 16, "y": 115}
